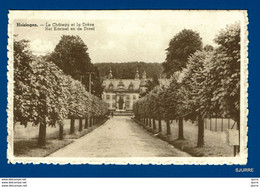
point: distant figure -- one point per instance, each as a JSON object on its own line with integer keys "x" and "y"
{"x": 112, "y": 114}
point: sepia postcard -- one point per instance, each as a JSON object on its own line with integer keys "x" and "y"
{"x": 128, "y": 87}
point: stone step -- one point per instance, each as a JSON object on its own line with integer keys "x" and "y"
{"x": 123, "y": 113}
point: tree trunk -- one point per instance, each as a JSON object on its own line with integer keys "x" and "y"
{"x": 146, "y": 121}
{"x": 168, "y": 131}
{"x": 86, "y": 123}
{"x": 216, "y": 124}
{"x": 210, "y": 126}
{"x": 154, "y": 126}
{"x": 91, "y": 122}
{"x": 60, "y": 131}
{"x": 150, "y": 122}
{"x": 72, "y": 125}
{"x": 160, "y": 124}
{"x": 180, "y": 135}
{"x": 80, "y": 124}
{"x": 200, "y": 142}
{"x": 42, "y": 134}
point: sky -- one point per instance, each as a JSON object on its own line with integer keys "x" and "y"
{"x": 124, "y": 36}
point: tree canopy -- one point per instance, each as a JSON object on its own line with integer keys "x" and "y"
{"x": 207, "y": 86}
{"x": 180, "y": 48}
{"x": 45, "y": 95}
{"x": 127, "y": 70}
{"x": 226, "y": 72}
{"x": 71, "y": 55}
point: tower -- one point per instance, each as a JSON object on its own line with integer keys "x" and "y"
{"x": 144, "y": 75}
{"x": 110, "y": 75}
{"x": 137, "y": 74}
{"x": 143, "y": 83}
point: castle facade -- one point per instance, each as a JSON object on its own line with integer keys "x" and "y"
{"x": 120, "y": 94}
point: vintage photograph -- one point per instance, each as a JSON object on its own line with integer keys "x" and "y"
{"x": 128, "y": 87}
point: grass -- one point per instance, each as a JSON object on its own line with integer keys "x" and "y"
{"x": 214, "y": 146}
{"x": 28, "y": 147}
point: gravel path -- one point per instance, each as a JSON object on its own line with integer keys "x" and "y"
{"x": 119, "y": 137}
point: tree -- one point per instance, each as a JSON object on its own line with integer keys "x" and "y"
{"x": 177, "y": 98}
{"x": 45, "y": 96}
{"x": 127, "y": 70}
{"x": 23, "y": 59}
{"x": 180, "y": 48}
{"x": 208, "y": 48}
{"x": 195, "y": 91}
{"x": 151, "y": 84}
{"x": 226, "y": 71}
{"x": 71, "y": 55}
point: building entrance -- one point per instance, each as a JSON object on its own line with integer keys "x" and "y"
{"x": 120, "y": 103}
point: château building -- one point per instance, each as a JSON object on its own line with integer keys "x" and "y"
{"x": 120, "y": 94}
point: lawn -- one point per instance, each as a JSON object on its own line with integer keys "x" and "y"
{"x": 25, "y": 139}
{"x": 215, "y": 142}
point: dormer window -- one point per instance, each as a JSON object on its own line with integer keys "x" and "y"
{"x": 110, "y": 86}
{"x": 131, "y": 86}
{"x": 121, "y": 85}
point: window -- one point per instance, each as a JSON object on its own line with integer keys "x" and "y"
{"x": 111, "y": 86}
{"x": 127, "y": 97}
{"x": 113, "y": 105}
{"x": 113, "y": 97}
{"x": 127, "y": 104}
{"x": 108, "y": 97}
{"x": 131, "y": 87}
{"x": 134, "y": 97}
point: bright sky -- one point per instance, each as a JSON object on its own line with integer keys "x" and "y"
{"x": 125, "y": 36}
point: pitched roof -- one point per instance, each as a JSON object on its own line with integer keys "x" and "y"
{"x": 126, "y": 82}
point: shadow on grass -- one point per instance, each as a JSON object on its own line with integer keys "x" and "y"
{"x": 30, "y": 148}
{"x": 183, "y": 145}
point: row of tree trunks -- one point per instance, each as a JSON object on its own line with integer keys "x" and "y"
{"x": 150, "y": 122}
{"x": 42, "y": 128}
{"x": 88, "y": 123}
{"x": 200, "y": 122}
